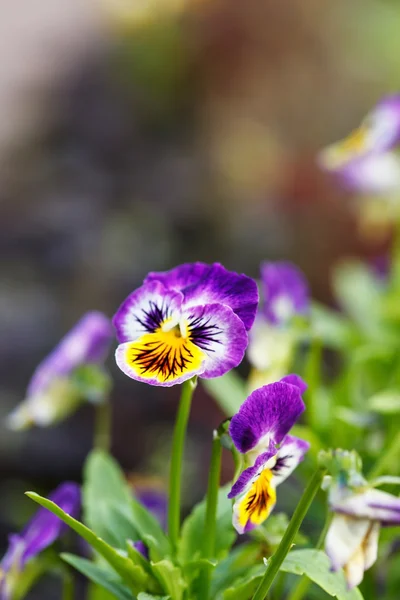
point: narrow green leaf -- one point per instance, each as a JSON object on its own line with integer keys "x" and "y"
{"x": 146, "y": 596}
{"x": 386, "y": 402}
{"x": 133, "y": 575}
{"x": 235, "y": 566}
{"x": 194, "y": 525}
{"x": 170, "y": 578}
{"x": 98, "y": 575}
{"x": 229, "y": 391}
{"x": 316, "y": 566}
{"x": 107, "y": 499}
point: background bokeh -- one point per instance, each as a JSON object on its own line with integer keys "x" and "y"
{"x": 134, "y": 142}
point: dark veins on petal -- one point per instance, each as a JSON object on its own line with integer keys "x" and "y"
{"x": 157, "y": 358}
{"x": 154, "y": 316}
{"x": 203, "y": 333}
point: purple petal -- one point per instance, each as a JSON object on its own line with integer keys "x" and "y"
{"x": 372, "y": 174}
{"x": 269, "y": 411}
{"x": 155, "y": 501}
{"x": 371, "y": 504}
{"x": 286, "y": 292}
{"x": 43, "y": 529}
{"x": 180, "y": 277}
{"x": 296, "y": 380}
{"x": 88, "y": 342}
{"x": 145, "y": 309}
{"x": 291, "y": 452}
{"x": 142, "y": 548}
{"x": 220, "y": 334}
{"x": 246, "y": 477}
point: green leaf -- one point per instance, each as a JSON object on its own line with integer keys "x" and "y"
{"x": 138, "y": 559}
{"x": 98, "y": 575}
{"x": 93, "y": 383}
{"x": 386, "y": 402}
{"x": 244, "y": 588}
{"x": 193, "y": 529}
{"x": 170, "y": 578}
{"x": 229, "y": 391}
{"x": 315, "y": 564}
{"x": 133, "y": 575}
{"x": 146, "y": 596}
{"x": 107, "y": 499}
{"x": 273, "y": 530}
{"x": 235, "y": 566}
{"x": 150, "y": 531}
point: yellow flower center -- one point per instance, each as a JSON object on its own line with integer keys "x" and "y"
{"x": 166, "y": 354}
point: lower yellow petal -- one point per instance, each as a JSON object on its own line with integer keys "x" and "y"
{"x": 164, "y": 356}
{"x": 256, "y": 505}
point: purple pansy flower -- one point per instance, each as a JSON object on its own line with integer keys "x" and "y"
{"x": 51, "y": 395}
{"x": 41, "y": 531}
{"x": 364, "y": 161}
{"x": 192, "y": 320}
{"x": 352, "y": 539}
{"x": 260, "y": 431}
{"x": 285, "y": 290}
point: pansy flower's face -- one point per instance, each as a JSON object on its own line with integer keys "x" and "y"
{"x": 190, "y": 321}
{"x": 259, "y": 430}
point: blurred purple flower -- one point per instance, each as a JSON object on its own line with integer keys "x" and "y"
{"x": 154, "y": 498}
{"x": 52, "y": 393}
{"x": 41, "y": 531}
{"x": 365, "y": 161}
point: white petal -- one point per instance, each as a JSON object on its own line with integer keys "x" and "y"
{"x": 290, "y": 454}
{"x": 354, "y": 569}
{"x": 269, "y": 347}
{"x": 344, "y": 537}
{"x": 371, "y": 545}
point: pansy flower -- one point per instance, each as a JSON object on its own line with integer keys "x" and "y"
{"x": 365, "y": 161}
{"x": 192, "y": 320}
{"x": 41, "y": 531}
{"x": 352, "y": 538}
{"x": 260, "y": 431}
{"x": 285, "y": 294}
{"x": 54, "y": 390}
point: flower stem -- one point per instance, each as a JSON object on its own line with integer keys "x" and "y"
{"x": 304, "y": 582}
{"x": 211, "y": 513}
{"x": 286, "y": 543}
{"x": 102, "y": 425}
{"x": 68, "y": 590}
{"x": 175, "y": 478}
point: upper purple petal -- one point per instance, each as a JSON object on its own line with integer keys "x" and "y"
{"x": 209, "y": 284}
{"x": 285, "y": 290}
{"x": 372, "y": 504}
{"x": 270, "y": 410}
{"x": 145, "y": 309}
{"x": 43, "y": 529}
{"x": 250, "y": 473}
{"x": 296, "y": 380}
{"x": 87, "y": 342}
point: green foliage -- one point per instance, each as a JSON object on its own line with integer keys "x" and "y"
{"x": 99, "y": 575}
{"x": 315, "y": 564}
{"x": 229, "y": 391}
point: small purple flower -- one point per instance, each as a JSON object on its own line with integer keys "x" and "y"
{"x": 51, "y": 394}
{"x": 364, "y": 161}
{"x": 260, "y": 431}
{"x": 352, "y": 540}
{"x": 285, "y": 290}
{"x": 41, "y": 531}
{"x": 192, "y": 320}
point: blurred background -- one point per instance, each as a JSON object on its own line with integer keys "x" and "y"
{"x": 135, "y": 138}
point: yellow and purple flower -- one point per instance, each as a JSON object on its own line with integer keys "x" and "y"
{"x": 285, "y": 294}
{"x": 192, "y": 320}
{"x": 365, "y": 161}
{"x": 352, "y": 539}
{"x": 260, "y": 431}
{"x": 41, "y": 531}
{"x": 54, "y": 390}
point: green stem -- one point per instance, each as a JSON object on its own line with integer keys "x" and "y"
{"x": 175, "y": 478}
{"x": 277, "y": 559}
{"x": 304, "y": 582}
{"x": 68, "y": 591}
{"x": 387, "y": 461}
{"x": 211, "y": 514}
{"x": 102, "y": 425}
